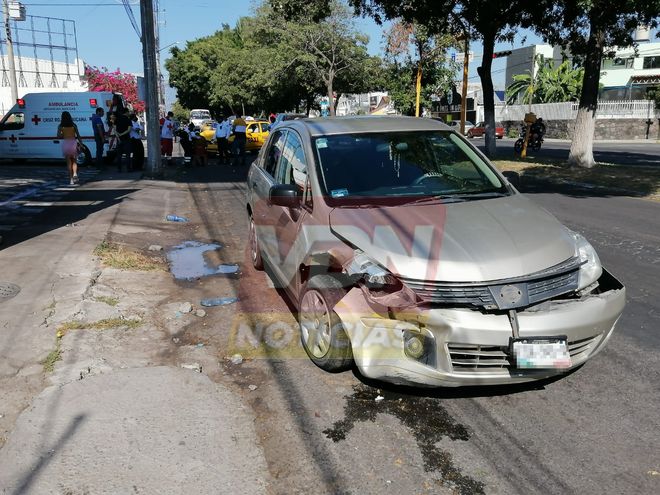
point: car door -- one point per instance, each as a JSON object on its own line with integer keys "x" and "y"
{"x": 12, "y": 131}
{"x": 252, "y": 136}
{"x": 291, "y": 169}
{"x": 260, "y": 180}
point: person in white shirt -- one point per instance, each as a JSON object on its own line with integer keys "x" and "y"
{"x": 222, "y": 133}
{"x": 136, "y": 143}
{"x": 167, "y": 136}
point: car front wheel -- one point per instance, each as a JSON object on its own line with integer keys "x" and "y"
{"x": 322, "y": 332}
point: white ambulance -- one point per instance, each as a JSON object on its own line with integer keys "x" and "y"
{"x": 29, "y": 130}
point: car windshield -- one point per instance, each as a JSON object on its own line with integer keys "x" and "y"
{"x": 433, "y": 164}
{"x": 200, "y": 115}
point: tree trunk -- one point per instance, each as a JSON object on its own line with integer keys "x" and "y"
{"x": 487, "y": 87}
{"x": 337, "y": 102}
{"x": 582, "y": 146}
{"x": 331, "y": 100}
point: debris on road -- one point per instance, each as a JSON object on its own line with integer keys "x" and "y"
{"x": 236, "y": 359}
{"x": 185, "y": 307}
{"x": 175, "y": 218}
{"x": 200, "y": 313}
{"x": 193, "y": 366}
{"x": 218, "y": 301}
{"x": 379, "y": 398}
{"x": 155, "y": 247}
{"x": 252, "y": 387}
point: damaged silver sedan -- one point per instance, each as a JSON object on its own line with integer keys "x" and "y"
{"x": 410, "y": 255}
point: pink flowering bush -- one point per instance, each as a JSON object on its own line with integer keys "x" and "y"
{"x": 101, "y": 79}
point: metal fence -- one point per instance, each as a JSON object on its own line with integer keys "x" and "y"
{"x": 624, "y": 109}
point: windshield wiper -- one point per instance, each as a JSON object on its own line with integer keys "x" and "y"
{"x": 457, "y": 197}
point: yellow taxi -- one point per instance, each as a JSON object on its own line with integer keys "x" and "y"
{"x": 256, "y": 134}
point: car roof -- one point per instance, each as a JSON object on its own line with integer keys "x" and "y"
{"x": 324, "y": 126}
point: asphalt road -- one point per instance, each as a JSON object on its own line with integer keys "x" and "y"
{"x": 645, "y": 153}
{"x": 594, "y": 431}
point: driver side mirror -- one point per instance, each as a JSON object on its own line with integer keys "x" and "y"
{"x": 287, "y": 195}
{"x": 512, "y": 177}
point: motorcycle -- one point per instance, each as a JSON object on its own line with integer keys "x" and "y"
{"x": 535, "y": 138}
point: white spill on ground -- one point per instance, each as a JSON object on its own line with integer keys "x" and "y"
{"x": 188, "y": 261}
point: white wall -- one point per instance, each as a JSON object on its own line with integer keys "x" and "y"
{"x": 30, "y": 83}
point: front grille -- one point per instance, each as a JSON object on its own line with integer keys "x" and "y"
{"x": 540, "y": 286}
{"x": 475, "y": 357}
{"x": 540, "y": 290}
{"x": 467, "y": 357}
{"x": 452, "y": 295}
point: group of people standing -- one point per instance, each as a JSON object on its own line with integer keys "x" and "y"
{"x": 195, "y": 145}
{"x": 123, "y": 133}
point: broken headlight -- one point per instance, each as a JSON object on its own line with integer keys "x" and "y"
{"x": 374, "y": 276}
{"x": 590, "y": 269}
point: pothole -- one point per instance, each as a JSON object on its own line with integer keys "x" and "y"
{"x": 7, "y": 291}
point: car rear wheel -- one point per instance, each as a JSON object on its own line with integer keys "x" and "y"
{"x": 255, "y": 250}
{"x": 322, "y": 333}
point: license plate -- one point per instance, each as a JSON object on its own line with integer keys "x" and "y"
{"x": 541, "y": 353}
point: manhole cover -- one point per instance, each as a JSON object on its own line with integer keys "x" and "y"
{"x": 7, "y": 291}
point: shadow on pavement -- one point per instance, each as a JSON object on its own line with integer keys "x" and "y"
{"x": 67, "y": 210}
{"x": 47, "y": 454}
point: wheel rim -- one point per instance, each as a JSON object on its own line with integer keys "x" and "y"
{"x": 253, "y": 241}
{"x": 315, "y": 324}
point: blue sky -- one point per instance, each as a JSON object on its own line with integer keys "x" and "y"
{"x": 106, "y": 37}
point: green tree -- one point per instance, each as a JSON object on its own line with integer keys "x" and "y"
{"x": 411, "y": 49}
{"x": 181, "y": 113}
{"x": 487, "y": 20}
{"x": 551, "y": 84}
{"x": 589, "y": 28}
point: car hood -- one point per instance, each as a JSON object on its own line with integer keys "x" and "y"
{"x": 472, "y": 241}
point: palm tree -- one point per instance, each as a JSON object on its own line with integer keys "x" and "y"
{"x": 550, "y": 85}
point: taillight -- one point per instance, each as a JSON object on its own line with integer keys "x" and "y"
{"x": 92, "y": 102}
{"x": 21, "y": 103}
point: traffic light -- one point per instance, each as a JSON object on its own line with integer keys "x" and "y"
{"x": 502, "y": 54}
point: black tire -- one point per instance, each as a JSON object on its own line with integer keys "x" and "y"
{"x": 518, "y": 145}
{"x": 84, "y": 158}
{"x": 331, "y": 350}
{"x": 255, "y": 250}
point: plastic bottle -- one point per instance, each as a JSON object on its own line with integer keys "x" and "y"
{"x": 220, "y": 301}
{"x": 175, "y": 218}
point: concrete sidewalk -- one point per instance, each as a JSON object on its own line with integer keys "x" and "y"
{"x": 123, "y": 410}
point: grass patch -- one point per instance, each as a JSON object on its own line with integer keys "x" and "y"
{"x": 104, "y": 324}
{"x": 116, "y": 256}
{"x": 53, "y": 357}
{"x": 110, "y": 301}
{"x": 636, "y": 181}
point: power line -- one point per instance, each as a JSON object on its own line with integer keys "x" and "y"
{"x": 90, "y": 4}
{"x": 131, "y": 17}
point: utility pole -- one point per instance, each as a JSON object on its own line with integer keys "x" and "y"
{"x": 151, "y": 86}
{"x": 10, "y": 53}
{"x": 466, "y": 62}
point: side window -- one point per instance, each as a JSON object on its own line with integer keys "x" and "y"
{"x": 13, "y": 122}
{"x": 274, "y": 152}
{"x": 265, "y": 127}
{"x": 253, "y": 128}
{"x": 293, "y": 167}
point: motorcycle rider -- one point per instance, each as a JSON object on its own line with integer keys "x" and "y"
{"x": 537, "y": 131}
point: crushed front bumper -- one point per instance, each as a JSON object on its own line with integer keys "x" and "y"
{"x": 471, "y": 347}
